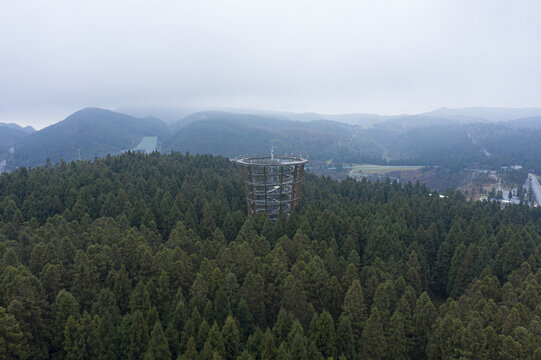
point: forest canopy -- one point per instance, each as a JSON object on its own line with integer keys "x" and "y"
{"x": 153, "y": 257}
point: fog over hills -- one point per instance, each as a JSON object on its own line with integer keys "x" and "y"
{"x": 446, "y": 137}
{"x": 10, "y": 134}
{"x": 531, "y": 122}
{"x": 172, "y": 115}
{"x": 95, "y": 132}
{"x": 236, "y": 134}
{"x": 488, "y": 114}
{"x": 26, "y": 129}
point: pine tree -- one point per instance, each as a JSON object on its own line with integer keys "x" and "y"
{"x": 202, "y": 334}
{"x": 425, "y": 315}
{"x": 140, "y": 299}
{"x": 191, "y": 352}
{"x": 158, "y": 348}
{"x": 207, "y": 353}
{"x": 229, "y": 228}
{"x": 216, "y": 340}
{"x": 398, "y": 349}
{"x": 456, "y": 262}
{"x": 384, "y": 299}
{"x": 349, "y": 276}
{"x": 108, "y": 338}
{"x": 231, "y": 338}
{"x": 12, "y": 342}
{"x": 246, "y": 322}
{"x": 345, "y": 342}
{"x": 269, "y": 350}
{"x": 151, "y": 317}
{"x": 245, "y": 356}
{"x": 355, "y": 309}
{"x": 297, "y": 342}
{"x": 253, "y": 292}
{"x": 81, "y": 338}
{"x": 283, "y": 325}
{"x": 445, "y": 339}
{"x": 294, "y": 300}
{"x": 71, "y": 333}
{"x": 138, "y": 337}
{"x": 325, "y": 336}
{"x": 511, "y": 349}
{"x": 441, "y": 268}
{"x": 207, "y": 225}
{"x": 199, "y": 292}
{"x": 87, "y": 338}
{"x": 65, "y": 306}
{"x": 221, "y": 307}
{"x": 373, "y": 339}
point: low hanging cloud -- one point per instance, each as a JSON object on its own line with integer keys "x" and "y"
{"x": 329, "y": 57}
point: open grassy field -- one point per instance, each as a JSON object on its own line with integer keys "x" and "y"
{"x": 370, "y": 169}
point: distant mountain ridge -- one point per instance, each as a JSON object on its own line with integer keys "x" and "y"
{"x": 452, "y": 137}
{"x": 10, "y": 134}
{"x": 27, "y": 129}
{"x": 531, "y": 122}
{"x": 232, "y": 135}
{"x": 439, "y": 116}
{"x": 92, "y": 131}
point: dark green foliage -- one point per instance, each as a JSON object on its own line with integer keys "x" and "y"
{"x": 191, "y": 351}
{"x": 324, "y": 336}
{"x": 373, "y": 339}
{"x": 12, "y": 342}
{"x": 138, "y": 337}
{"x": 345, "y": 341}
{"x": 355, "y": 310}
{"x": 158, "y": 349}
{"x": 93, "y": 266}
{"x": 231, "y": 338}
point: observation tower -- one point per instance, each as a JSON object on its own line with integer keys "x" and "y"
{"x": 272, "y": 183}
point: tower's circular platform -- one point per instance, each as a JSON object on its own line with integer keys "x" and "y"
{"x": 272, "y": 183}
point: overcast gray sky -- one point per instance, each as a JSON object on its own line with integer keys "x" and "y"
{"x": 335, "y": 56}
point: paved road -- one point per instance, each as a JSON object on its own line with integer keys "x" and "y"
{"x": 536, "y": 188}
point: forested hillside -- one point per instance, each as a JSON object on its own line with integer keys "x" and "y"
{"x": 92, "y": 131}
{"x": 445, "y": 138}
{"x": 233, "y": 135}
{"x": 462, "y": 146}
{"x": 9, "y": 135}
{"x": 152, "y": 257}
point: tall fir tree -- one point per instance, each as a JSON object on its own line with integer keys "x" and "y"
{"x": 373, "y": 338}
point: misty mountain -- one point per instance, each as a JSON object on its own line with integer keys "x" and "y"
{"x": 414, "y": 121}
{"x": 449, "y": 117}
{"x": 10, "y": 134}
{"x": 461, "y": 146}
{"x": 532, "y": 122}
{"x": 362, "y": 120}
{"x": 168, "y": 114}
{"x": 237, "y": 134}
{"x": 453, "y": 138}
{"x": 484, "y": 114}
{"x": 181, "y": 116}
{"x": 95, "y": 132}
{"x": 27, "y": 129}
{"x": 438, "y": 117}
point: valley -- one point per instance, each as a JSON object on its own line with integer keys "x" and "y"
{"x": 443, "y": 149}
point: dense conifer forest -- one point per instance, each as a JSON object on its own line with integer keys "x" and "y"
{"x": 153, "y": 257}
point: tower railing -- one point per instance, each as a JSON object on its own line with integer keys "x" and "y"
{"x": 272, "y": 183}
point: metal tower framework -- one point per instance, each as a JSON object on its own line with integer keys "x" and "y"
{"x": 272, "y": 184}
